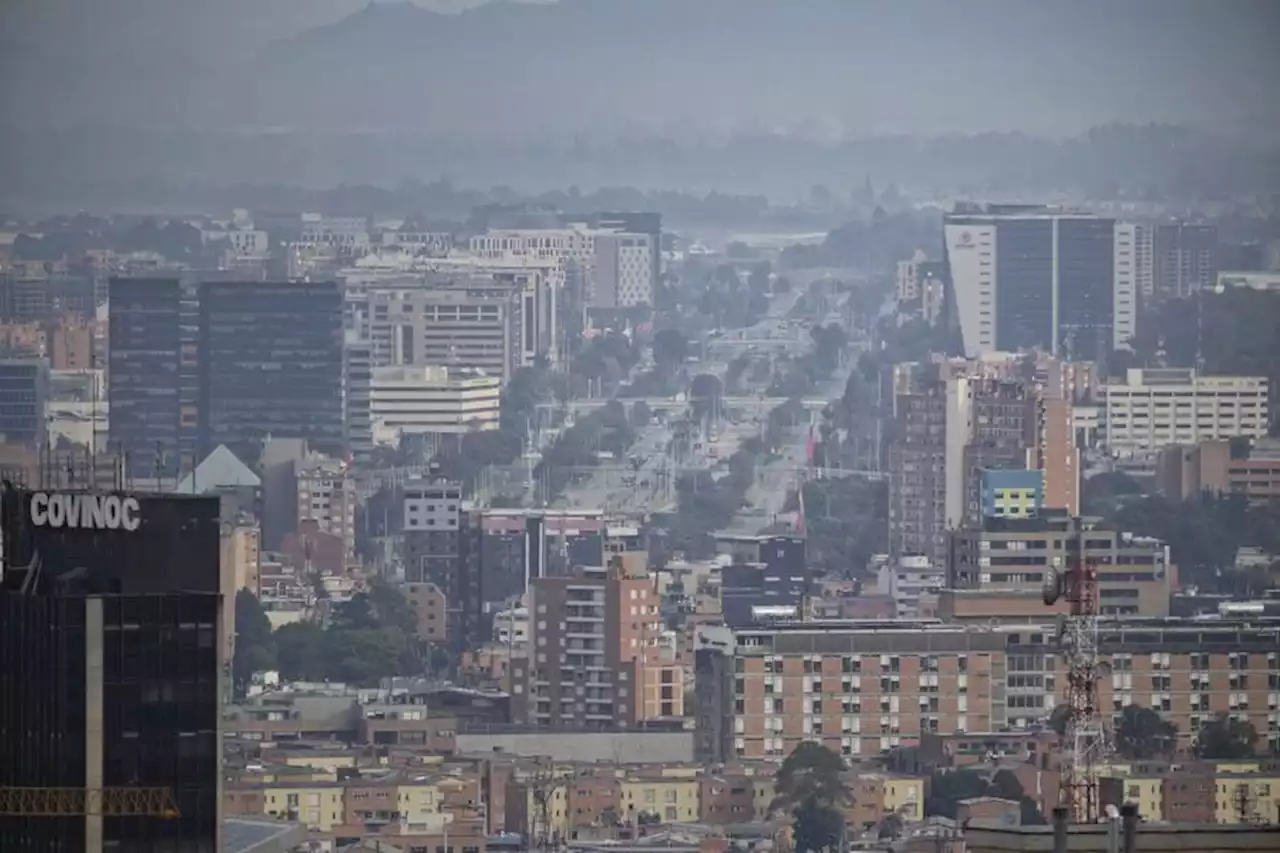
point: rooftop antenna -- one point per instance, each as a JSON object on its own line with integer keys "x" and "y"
{"x": 1086, "y": 737}
{"x": 157, "y": 466}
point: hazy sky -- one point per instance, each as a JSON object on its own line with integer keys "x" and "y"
{"x": 822, "y": 67}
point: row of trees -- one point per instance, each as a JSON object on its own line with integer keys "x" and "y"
{"x": 810, "y": 785}
{"x": 716, "y": 296}
{"x": 606, "y": 430}
{"x": 1143, "y": 735}
{"x": 1204, "y": 532}
{"x": 845, "y": 521}
{"x": 370, "y": 637}
{"x": 706, "y": 503}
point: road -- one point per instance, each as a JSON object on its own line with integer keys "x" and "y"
{"x": 767, "y": 498}
{"x": 644, "y": 482}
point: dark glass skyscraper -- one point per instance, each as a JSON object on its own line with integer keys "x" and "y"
{"x": 144, "y": 375}
{"x": 109, "y": 622}
{"x": 24, "y": 392}
{"x": 270, "y": 364}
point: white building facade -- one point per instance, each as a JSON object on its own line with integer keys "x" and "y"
{"x": 1152, "y": 408}
{"x": 431, "y": 401}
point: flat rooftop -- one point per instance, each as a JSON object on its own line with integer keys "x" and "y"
{"x": 260, "y": 836}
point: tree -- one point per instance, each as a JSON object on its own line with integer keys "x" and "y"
{"x": 1143, "y": 734}
{"x": 705, "y": 392}
{"x": 948, "y": 787}
{"x": 255, "y": 648}
{"x": 809, "y": 784}
{"x": 301, "y": 652}
{"x": 891, "y": 827}
{"x": 811, "y": 771}
{"x": 1059, "y": 718}
{"x": 815, "y": 827}
{"x": 641, "y": 415}
{"x": 1225, "y": 738}
{"x": 670, "y": 349}
{"x": 391, "y": 606}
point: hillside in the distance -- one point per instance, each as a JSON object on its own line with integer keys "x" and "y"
{"x": 601, "y": 68}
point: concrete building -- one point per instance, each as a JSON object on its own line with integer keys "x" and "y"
{"x": 240, "y": 559}
{"x": 909, "y": 579}
{"x": 442, "y": 547}
{"x": 357, "y": 381}
{"x": 327, "y": 498}
{"x": 921, "y": 289}
{"x": 624, "y": 274}
{"x": 520, "y": 545}
{"x": 71, "y": 344}
{"x": 1028, "y": 277}
{"x": 1135, "y": 575}
{"x": 952, "y": 428}
{"x": 1267, "y": 281}
{"x": 1153, "y": 408}
{"x": 475, "y": 323}
{"x": 24, "y": 399}
{"x": 77, "y": 407}
{"x": 1012, "y": 493}
{"x": 618, "y": 268}
{"x": 1185, "y": 259}
{"x": 593, "y": 659}
{"x": 988, "y": 836}
{"x": 863, "y": 688}
{"x": 767, "y": 580}
{"x": 1184, "y": 471}
{"x": 431, "y": 401}
{"x": 1135, "y": 267}
{"x": 23, "y": 340}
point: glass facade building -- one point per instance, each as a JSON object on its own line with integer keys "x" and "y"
{"x": 111, "y": 666}
{"x": 1024, "y": 277}
{"x": 24, "y": 393}
{"x": 144, "y": 375}
{"x": 271, "y": 365}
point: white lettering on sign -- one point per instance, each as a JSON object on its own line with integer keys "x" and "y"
{"x": 86, "y": 512}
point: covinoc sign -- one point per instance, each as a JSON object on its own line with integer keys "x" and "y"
{"x": 85, "y": 511}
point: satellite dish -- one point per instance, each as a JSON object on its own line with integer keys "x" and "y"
{"x": 1052, "y": 586}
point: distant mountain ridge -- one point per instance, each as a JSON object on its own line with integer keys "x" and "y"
{"x": 604, "y": 69}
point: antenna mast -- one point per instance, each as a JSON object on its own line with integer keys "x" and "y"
{"x": 1086, "y": 740}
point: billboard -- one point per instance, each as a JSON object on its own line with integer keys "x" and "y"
{"x": 109, "y": 542}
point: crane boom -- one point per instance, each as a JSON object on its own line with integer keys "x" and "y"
{"x": 73, "y": 802}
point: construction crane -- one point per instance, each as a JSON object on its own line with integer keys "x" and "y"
{"x": 75, "y": 802}
{"x": 1086, "y": 736}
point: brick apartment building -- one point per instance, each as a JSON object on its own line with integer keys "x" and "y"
{"x": 1186, "y": 470}
{"x": 861, "y": 689}
{"x": 594, "y": 659}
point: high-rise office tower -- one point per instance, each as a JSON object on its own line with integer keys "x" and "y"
{"x": 271, "y": 362}
{"x": 149, "y": 375}
{"x": 111, "y": 661}
{"x": 1185, "y": 259}
{"x": 1030, "y": 276}
{"x": 24, "y": 393}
